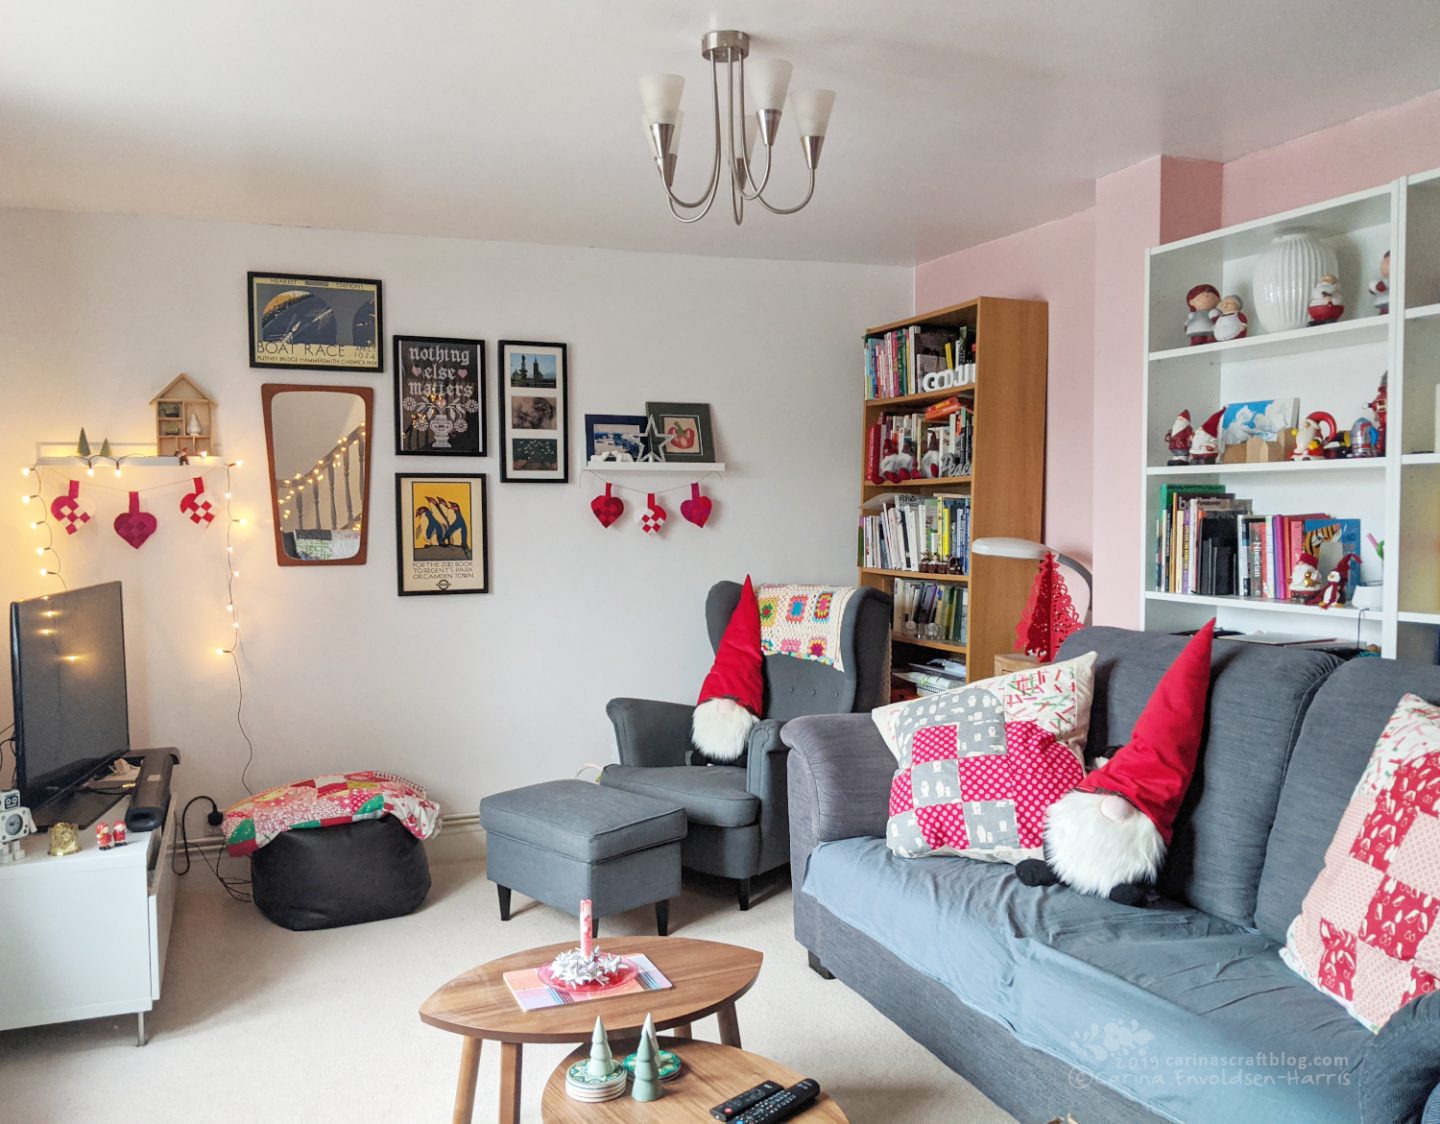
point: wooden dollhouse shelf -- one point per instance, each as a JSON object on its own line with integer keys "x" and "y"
{"x": 937, "y": 645}
{"x": 960, "y": 579}
{"x": 1343, "y": 333}
{"x": 1344, "y": 464}
{"x": 691, "y": 467}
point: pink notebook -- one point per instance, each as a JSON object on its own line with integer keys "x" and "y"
{"x": 534, "y": 994}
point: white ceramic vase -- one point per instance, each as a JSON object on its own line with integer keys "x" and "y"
{"x": 1284, "y": 275}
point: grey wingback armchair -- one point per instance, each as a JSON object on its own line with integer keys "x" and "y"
{"x": 738, "y": 814}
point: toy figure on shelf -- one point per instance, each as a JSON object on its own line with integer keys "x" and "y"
{"x": 1305, "y": 586}
{"x": 1205, "y": 444}
{"x": 1314, "y": 433}
{"x": 930, "y": 462}
{"x": 1230, "y": 323}
{"x": 1337, "y": 448}
{"x": 1178, "y": 439}
{"x": 1337, "y": 581}
{"x": 897, "y": 464}
{"x": 1380, "y": 287}
{"x": 1363, "y": 439}
{"x": 1200, "y": 324}
{"x": 1378, "y": 407}
{"x": 1327, "y": 304}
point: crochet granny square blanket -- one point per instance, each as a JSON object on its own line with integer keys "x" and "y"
{"x": 804, "y": 621}
{"x": 328, "y": 801}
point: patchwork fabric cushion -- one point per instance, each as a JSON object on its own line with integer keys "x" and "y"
{"x": 326, "y": 801}
{"x": 1365, "y": 930}
{"x": 979, "y": 765}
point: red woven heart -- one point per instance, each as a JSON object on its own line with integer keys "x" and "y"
{"x": 607, "y": 508}
{"x": 135, "y": 526}
{"x": 697, "y": 508}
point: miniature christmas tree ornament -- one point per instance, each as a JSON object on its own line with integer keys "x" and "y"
{"x": 646, "y": 1086}
{"x": 602, "y": 1062}
{"x": 1049, "y": 615}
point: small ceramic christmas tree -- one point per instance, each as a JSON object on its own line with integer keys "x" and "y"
{"x": 602, "y": 1062}
{"x": 646, "y": 1086}
{"x": 1050, "y": 615}
{"x": 648, "y": 1031}
{"x": 82, "y": 447}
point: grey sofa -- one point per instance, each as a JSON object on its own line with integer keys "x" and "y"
{"x": 1052, "y": 1002}
{"x": 738, "y": 821}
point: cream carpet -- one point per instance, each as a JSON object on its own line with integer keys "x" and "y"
{"x": 257, "y": 1023}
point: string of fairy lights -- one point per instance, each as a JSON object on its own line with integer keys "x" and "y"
{"x": 53, "y": 565}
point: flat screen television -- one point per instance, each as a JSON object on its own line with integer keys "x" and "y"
{"x": 72, "y": 719}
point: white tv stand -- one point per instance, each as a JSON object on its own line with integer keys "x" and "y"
{"x": 84, "y": 935}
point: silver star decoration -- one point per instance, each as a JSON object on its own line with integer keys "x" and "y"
{"x": 655, "y": 442}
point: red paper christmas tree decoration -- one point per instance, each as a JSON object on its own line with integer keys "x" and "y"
{"x": 1049, "y": 615}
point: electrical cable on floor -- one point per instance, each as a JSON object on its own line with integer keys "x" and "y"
{"x": 231, "y": 884}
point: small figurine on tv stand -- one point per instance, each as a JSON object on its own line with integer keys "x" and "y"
{"x": 1178, "y": 439}
{"x": 1200, "y": 323}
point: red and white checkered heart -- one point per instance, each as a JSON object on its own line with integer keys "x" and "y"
{"x": 653, "y": 516}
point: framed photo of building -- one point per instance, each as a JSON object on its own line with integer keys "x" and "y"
{"x": 534, "y": 413}
{"x": 315, "y": 323}
{"x": 687, "y": 424}
{"x": 439, "y": 397}
{"x": 617, "y": 437}
{"x": 441, "y": 539}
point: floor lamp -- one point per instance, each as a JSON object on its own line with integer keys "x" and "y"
{"x": 999, "y": 547}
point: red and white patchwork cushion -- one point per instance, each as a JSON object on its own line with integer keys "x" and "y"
{"x": 1364, "y": 933}
{"x": 980, "y": 765}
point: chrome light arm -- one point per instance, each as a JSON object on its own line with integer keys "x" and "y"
{"x": 800, "y": 206}
{"x": 708, "y": 198}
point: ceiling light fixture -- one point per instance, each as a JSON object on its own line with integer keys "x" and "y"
{"x": 768, "y": 80}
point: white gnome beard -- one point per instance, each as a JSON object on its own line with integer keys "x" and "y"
{"x": 1094, "y": 853}
{"x": 720, "y": 728}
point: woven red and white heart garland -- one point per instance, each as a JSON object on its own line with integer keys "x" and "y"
{"x": 652, "y": 517}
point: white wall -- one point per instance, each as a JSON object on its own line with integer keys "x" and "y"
{"x": 468, "y": 695}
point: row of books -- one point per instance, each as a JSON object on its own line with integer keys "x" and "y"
{"x": 899, "y": 532}
{"x": 929, "y": 678}
{"x": 930, "y": 610}
{"x": 902, "y": 446}
{"x": 895, "y": 360}
{"x": 1211, "y": 543}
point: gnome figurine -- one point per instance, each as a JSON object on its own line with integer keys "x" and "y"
{"x": 1178, "y": 439}
{"x": 1205, "y": 443}
{"x": 1108, "y": 835}
{"x": 733, "y": 694}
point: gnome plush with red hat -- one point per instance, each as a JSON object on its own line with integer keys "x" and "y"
{"x": 1108, "y": 835}
{"x": 733, "y": 694}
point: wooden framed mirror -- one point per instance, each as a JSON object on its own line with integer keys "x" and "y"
{"x": 317, "y": 441}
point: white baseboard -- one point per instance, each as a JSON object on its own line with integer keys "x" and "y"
{"x": 460, "y": 837}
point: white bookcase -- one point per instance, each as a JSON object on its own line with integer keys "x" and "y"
{"x": 1336, "y": 368}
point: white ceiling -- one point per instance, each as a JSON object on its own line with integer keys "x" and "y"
{"x": 957, "y": 120}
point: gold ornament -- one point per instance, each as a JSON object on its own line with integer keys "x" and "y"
{"x": 63, "y": 839}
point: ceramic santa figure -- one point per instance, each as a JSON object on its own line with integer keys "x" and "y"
{"x": 1205, "y": 444}
{"x": 1178, "y": 439}
{"x": 1108, "y": 835}
{"x": 1326, "y": 302}
{"x": 1230, "y": 321}
{"x": 733, "y": 694}
{"x": 1305, "y": 587}
{"x": 1200, "y": 323}
{"x": 1380, "y": 287}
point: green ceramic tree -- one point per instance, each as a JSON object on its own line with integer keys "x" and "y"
{"x": 602, "y": 1063}
{"x": 646, "y": 1086}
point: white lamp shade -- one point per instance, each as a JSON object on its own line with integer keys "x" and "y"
{"x": 769, "y": 81}
{"x": 812, "y": 111}
{"x": 660, "y": 94}
{"x": 1001, "y": 547}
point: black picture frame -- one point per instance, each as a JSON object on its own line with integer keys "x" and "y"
{"x": 405, "y": 518}
{"x": 315, "y": 356}
{"x": 658, "y": 412}
{"x": 596, "y": 421}
{"x": 471, "y": 388}
{"x": 532, "y": 393}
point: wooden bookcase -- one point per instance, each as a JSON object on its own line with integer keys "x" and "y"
{"x": 1007, "y": 480}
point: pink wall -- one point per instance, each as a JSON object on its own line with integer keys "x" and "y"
{"x": 1054, "y": 263}
{"x": 1093, "y": 443}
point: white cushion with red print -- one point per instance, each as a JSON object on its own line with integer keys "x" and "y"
{"x": 1365, "y": 933}
{"x": 980, "y": 765}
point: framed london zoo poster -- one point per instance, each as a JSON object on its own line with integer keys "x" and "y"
{"x": 441, "y": 534}
{"x": 534, "y": 413}
{"x": 439, "y": 397}
{"x": 315, "y": 323}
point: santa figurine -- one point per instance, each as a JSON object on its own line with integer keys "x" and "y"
{"x": 1230, "y": 323}
{"x": 1108, "y": 835}
{"x": 897, "y": 465}
{"x": 1200, "y": 324}
{"x": 1337, "y": 583}
{"x": 1379, "y": 407}
{"x": 1326, "y": 302}
{"x": 1380, "y": 287}
{"x": 1305, "y": 587}
{"x": 733, "y": 694}
{"x": 1178, "y": 439}
{"x": 1205, "y": 444}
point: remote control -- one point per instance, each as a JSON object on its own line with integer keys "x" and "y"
{"x": 748, "y": 1099}
{"x": 782, "y": 1105}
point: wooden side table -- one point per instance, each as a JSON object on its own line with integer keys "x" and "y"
{"x": 708, "y": 978}
{"x": 1007, "y": 662}
{"x": 712, "y": 1074}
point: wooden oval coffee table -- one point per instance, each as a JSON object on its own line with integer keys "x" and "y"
{"x": 711, "y": 1075}
{"x": 708, "y": 977}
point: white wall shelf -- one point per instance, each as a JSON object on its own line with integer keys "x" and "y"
{"x": 1420, "y": 458}
{"x": 1424, "y": 312}
{"x": 1355, "y": 465}
{"x": 1343, "y": 333}
{"x": 1261, "y": 604}
{"x": 691, "y": 467}
{"x": 1420, "y": 618}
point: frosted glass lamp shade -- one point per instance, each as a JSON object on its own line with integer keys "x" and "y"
{"x": 812, "y": 111}
{"x": 660, "y": 94}
{"x": 769, "y": 81}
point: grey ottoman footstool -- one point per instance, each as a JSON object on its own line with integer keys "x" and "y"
{"x": 562, "y": 841}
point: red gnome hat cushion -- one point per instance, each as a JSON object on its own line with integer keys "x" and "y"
{"x": 733, "y": 694}
{"x": 1109, "y": 834}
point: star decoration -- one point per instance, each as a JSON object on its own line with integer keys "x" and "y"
{"x": 655, "y": 442}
